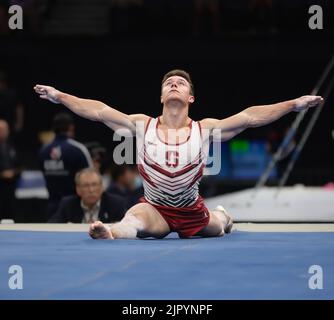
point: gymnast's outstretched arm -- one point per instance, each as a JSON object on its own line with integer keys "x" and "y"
{"x": 256, "y": 116}
{"x": 91, "y": 109}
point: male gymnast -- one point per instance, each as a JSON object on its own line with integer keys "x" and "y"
{"x": 171, "y": 157}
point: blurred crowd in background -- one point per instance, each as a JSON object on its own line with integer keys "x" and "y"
{"x": 60, "y": 158}
{"x": 82, "y": 184}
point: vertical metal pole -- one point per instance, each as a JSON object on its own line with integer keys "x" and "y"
{"x": 291, "y": 133}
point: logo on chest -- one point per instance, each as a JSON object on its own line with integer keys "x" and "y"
{"x": 172, "y": 159}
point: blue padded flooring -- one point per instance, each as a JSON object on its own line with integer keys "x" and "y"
{"x": 243, "y": 265}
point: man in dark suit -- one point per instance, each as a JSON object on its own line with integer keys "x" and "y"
{"x": 91, "y": 203}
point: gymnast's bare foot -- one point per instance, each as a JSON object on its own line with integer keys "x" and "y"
{"x": 98, "y": 230}
{"x": 229, "y": 220}
{"x": 229, "y": 225}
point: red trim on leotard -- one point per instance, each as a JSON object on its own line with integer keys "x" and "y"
{"x": 200, "y": 128}
{"x": 147, "y": 124}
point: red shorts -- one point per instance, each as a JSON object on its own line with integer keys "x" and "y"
{"x": 185, "y": 221}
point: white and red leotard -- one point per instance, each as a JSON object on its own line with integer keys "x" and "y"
{"x": 171, "y": 174}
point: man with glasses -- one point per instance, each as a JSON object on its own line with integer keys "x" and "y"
{"x": 91, "y": 203}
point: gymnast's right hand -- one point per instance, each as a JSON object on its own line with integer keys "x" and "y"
{"x": 48, "y": 93}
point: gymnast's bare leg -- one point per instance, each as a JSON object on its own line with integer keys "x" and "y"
{"x": 142, "y": 220}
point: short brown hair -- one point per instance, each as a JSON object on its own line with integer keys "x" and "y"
{"x": 179, "y": 73}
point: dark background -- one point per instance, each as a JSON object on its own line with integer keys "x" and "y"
{"x": 246, "y": 63}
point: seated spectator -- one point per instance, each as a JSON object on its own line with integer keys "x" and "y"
{"x": 91, "y": 202}
{"x": 60, "y": 160}
{"x": 126, "y": 182}
{"x": 9, "y": 172}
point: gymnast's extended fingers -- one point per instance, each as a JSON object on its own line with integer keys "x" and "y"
{"x": 40, "y": 89}
{"x": 315, "y": 100}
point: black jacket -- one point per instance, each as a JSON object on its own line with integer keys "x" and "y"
{"x": 131, "y": 197}
{"x": 60, "y": 160}
{"x": 112, "y": 209}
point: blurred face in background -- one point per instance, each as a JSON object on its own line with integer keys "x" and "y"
{"x": 4, "y": 131}
{"x": 89, "y": 188}
{"x": 71, "y": 131}
{"x": 128, "y": 179}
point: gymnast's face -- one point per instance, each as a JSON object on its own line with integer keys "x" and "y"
{"x": 176, "y": 88}
{"x": 89, "y": 188}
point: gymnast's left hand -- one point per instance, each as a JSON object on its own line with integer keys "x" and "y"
{"x": 306, "y": 102}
